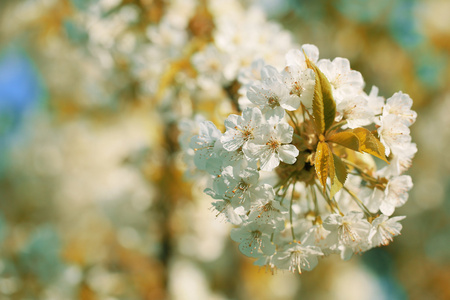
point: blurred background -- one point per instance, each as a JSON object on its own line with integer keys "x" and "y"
{"x": 97, "y": 200}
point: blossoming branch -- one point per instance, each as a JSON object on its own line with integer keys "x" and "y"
{"x": 312, "y": 166}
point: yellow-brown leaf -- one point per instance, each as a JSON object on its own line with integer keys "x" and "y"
{"x": 324, "y": 106}
{"x": 336, "y": 186}
{"x": 341, "y": 170}
{"x": 324, "y": 164}
{"x": 340, "y": 176}
{"x": 321, "y": 162}
{"x": 370, "y": 144}
{"x": 347, "y": 139}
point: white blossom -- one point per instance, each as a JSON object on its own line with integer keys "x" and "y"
{"x": 374, "y": 101}
{"x": 400, "y": 105}
{"x": 273, "y": 203}
{"x": 273, "y": 97}
{"x": 396, "y": 194}
{"x": 272, "y": 147}
{"x": 268, "y": 211}
{"x": 384, "y": 229}
{"x": 296, "y": 57}
{"x": 394, "y": 134}
{"x": 241, "y": 129}
{"x": 254, "y": 237}
{"x": 204, "y": 144}
{"x": 349, "y": 232}
{"x": 344, "y": 81}
{"x": 300, "y": 83}
{"x": 355, "y": 110}
{"x": 318, "y": 235}
{"x": 400, "y": 161}
{"x": 296, "y": 257}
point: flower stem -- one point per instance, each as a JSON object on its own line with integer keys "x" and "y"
{"x": 314, "y": 198}
{"x": 359, "y": 169}
{"x": 285, "y": 190}
{"x": 359, "y": 202}
{"x": 337, "y": 125}
{"x": 332, "y": 203}
{"x": 291, "y": 214}
{"x": 295, "y": 121}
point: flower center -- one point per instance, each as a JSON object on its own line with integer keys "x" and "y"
{"x": 297, "y": 89}
{"x": 297, "y": 259}
{"x": 273, "y": 144}
{"x": 347, "y": 234}
{"x": 273, "y": 101}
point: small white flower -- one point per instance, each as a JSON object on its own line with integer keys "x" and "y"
{"x": 251, "y": 74}
{"x": 242, "y": 189}
{"x": 271, "y": 148}
{"x": 301, "y": 83}
{"x": 400, "y": 161}
{"x": 396, "y": 194}
{"x": 344, "y": 81}
{"x": 394, "y": 134}
{"x": 299, "y": 79}
{"x": 317, "y": 235}
{"x": 268, "y": 211}
{"x": 296, "y": 257}
{"x": 204, "y": 144}
{"x": 372, "y": 198}
{"x": 241, "y": 129}
{"x": 273, "y": 96}
{"x": 384, "y": 229}
{"x": 375, "y": 102}
{"x": 212, "y": 65}
{"x": 296, "y": 57}
{"x": 355, "y": 110}
{"x": 188, "y": 128}
{"x": 254, "y": 237}
{"x": 349, "y": 232}
{"x": 225, "y": 208}
{"x": 237, "y": 160}
{"x": 400, "y": 105}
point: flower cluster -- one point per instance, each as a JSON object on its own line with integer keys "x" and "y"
{"x": 297, "y": 170}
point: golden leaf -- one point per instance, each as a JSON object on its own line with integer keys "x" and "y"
{"x": 331, "y": 168}
{"x": 336, "y": 186}
{"x": 324, "y": 107}
{"x": 340, "y": 176}
{"x": 347, "y": 139}
{"x": 324, "y": 164}
{"x": 341, "y": 170}
{"x": 370, "y": 144}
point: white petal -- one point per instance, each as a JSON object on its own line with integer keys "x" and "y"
{"x": 269, "y": 72}
{"x": 269, "y": 162}
{"x": 387, "y": 208}
{"x": 284, "y": 132}
{"x": 232, "y": 140}
{"x": 231, "y": 121}
{"x": 288, "y": 153}
{"x": 311, "y": 51}
{"x": 290, "y": 102}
